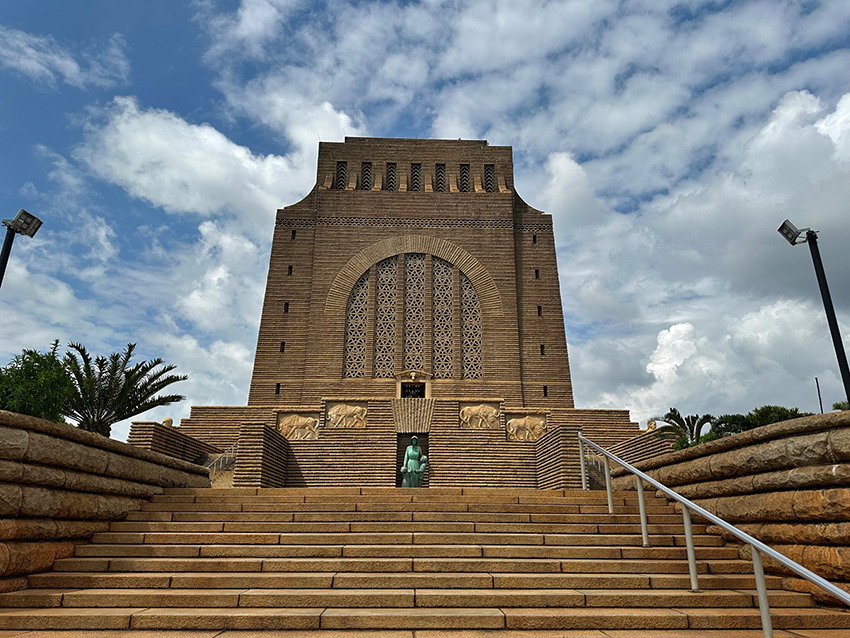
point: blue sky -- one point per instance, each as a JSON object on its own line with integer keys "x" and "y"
{"x": 668, "y": 139}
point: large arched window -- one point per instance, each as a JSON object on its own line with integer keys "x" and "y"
{"x": 423, "y": 314}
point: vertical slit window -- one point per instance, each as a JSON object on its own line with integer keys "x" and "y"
{"x": 537, "y": 273}
{"x": 293, "y": 235}
{"x": 489, "y": 178}
{"x": 414, "y": 311}
{"x": 286, "y": 306}
{"x": 440, "y": 178}
{"x": 534, "y": 239}
{"x": 391, "y": 177}
{"x": 542, "y": 350}
{"x": 283, "y": 346}
{"x": 539, "y": 311}
{"x": 385, "y": 318}
{"x": 443, "y": 325}
{"x": 366, "y": 176}
{"x": 357, "y": 319}
{"x": 545, "y": 390}
{"x": 289, "y": 270}
{"x": 470, "y": 326}
{"x": 277, "y": 388}
{"x": 341, "y": 175}
{"x": 416, "y": 177}
{"x": 463, "y": 184}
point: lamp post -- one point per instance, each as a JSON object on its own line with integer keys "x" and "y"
{"x": 792, "y": 234}
{"x": 24, "y": 224}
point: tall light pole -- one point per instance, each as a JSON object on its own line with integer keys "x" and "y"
{"x": 792, "y": 234}
{"x": 24, "y": 224}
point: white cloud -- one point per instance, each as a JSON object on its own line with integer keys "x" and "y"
{"x": 184, "y": 168}
{"x": 46, "y": 62}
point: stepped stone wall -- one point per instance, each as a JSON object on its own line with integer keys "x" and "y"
{"x": 60, "y": 484}
{"x": 787, "y": 484}
{"x": 646, "y": 445}
{"x": 166, "y": 439}
{"x": 459, "y": 456}
{"x": 261, "y": 457}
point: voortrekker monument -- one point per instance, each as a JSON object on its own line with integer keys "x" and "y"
{"x": 413, "y": 291}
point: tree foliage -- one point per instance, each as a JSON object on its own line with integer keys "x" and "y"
{"x": 688, "y": 427}
{"x": 841, "y": 405}
{"x": 108, "y": 389}
{"x": 727, "y": 424}
{"x": 36, "y": 383}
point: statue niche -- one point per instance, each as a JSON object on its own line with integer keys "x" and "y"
{"x": 478, "y": 417}
{"x": 526, "y": 428}
{"x": 296, "y": 427}
{"x": 344, "y": 415}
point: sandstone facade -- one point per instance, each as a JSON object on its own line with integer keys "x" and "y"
{"x": 59, "y": 484}
{"x": 414, "y": 291}
{"x": 787, "y": 484}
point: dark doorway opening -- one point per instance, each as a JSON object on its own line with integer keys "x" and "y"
{"x": 413, "y": 391}
{"x": 403, "y": 442}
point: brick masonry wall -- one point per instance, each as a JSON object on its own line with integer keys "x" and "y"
{"x": 261, "y": 459}
{"x": 59, "y": 484}
{"x": 166, "y": 439}
{"x": 787, "y": 484}
{"x": 488, "y": 235}
{"x": 324, "y": 243}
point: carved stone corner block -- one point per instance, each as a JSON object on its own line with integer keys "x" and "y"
{"x": 479, "y": 416}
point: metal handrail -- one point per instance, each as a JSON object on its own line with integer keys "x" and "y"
{"x": 217, "y": 464}
{"x": 758, "y": 548}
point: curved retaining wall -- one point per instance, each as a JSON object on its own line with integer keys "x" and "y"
{"x": 787, "y": 484}
{"x": 60, "y": 484}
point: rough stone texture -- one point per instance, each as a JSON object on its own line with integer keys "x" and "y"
{"x": 59, "y": 483}
{"x": 262, "y": 457}
{"x": 166, "y": 439}
{"x": 787, "y": 484}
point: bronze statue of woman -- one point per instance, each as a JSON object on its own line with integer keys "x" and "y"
{"x": 414, "y": 464}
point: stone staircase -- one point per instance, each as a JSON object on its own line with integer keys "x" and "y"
{"x": 362, "y": 560}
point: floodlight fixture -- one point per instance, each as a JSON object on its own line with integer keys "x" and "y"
{"x": 24, "y": 223}
{"x": 792, "y": 234}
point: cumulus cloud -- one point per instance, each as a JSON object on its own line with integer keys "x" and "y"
{"x": 181, "y": 167}
{"x": 46, "y": 62}
{"x": 699, "y": 287}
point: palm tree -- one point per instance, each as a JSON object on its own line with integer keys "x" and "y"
{"x": 688, "y": 427}
{"x": 111, "y": 390}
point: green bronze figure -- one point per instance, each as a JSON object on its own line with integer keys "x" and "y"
{"x": 414, "y": 464}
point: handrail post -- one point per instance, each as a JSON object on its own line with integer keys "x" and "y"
{"x": 644, "y": 528}
{"x": 581, "y": 461}
{"x": 689, "y": 542}
{"x": 761, "y": 588}
{"x": 608, "y": 490}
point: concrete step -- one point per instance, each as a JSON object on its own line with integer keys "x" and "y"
{"x": 384, "y": 538}
{"x": 352, "y": 516}
{"x": 599, "y": 618}
{"x": 399, "y": 564}
{"x": 455, "y": 595}
{"x": 393, "y": 526}
{"x": 246, "y": 580}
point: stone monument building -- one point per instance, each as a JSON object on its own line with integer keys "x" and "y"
{"x": 413, "y": 291}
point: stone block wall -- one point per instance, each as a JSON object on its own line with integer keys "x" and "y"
{"x": 787, "y": 484}
{"x": 646, "y": 445}
{"x": 166, "y": 439}
{"x": 262, "y": 455}
{"x": 59, "y": 485}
